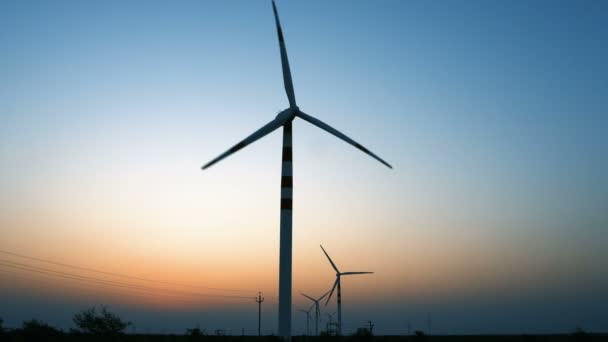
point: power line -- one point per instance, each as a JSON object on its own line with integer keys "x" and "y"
{"x": 30, "y": 268}
{"x": 101, "y": 290}
{"x": 85, "y": 286}
{"x": 126, "y": 286}
{"x": 77, "y": 277}
{"x": 122, "y": 275}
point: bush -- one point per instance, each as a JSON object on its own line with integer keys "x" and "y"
{"x": 363, "y": 332}
{"x": 100, "y": 323}
{"x": 580, "y": 334}
{"x": 419, "y": 335}
{"x": 196, "y": 332}
{"x": 39, "y": 329}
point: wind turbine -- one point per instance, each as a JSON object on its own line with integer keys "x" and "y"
{"x": 317, "y": 310}
{"x": 337, "y": 284}
{"x": 307, "y": 312}
{"x": 284, "y": 119}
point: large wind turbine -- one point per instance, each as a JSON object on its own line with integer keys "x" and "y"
{"x": 338, "y": 284}
{"x": 284, "y": 119}
{"x": 317, "y": 310}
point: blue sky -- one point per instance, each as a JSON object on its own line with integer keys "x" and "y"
{"x": 492, "y": 113}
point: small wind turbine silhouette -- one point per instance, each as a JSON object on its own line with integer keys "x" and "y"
{"x": 307, "y": 312}
{"x": 284, "y": 119}
{"x": 317, "y": 310}
{"x": 337, "y": 284}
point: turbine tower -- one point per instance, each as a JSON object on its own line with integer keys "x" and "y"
{"x": 338, "y": 284}
{"x": 284, "y": 119}
{"x": 317, "y": 310}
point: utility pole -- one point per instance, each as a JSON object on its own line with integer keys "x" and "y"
{"x": 428, "y": 322}
{"x": 371, "y": 327}
{"x": 259, "y": 300}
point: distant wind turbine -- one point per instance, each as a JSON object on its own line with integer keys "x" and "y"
{"x": 337, "y": 284}
{"x": 307, "y": 312}
{"x": 317, "y": 310}
{"x": 284, "y": 119}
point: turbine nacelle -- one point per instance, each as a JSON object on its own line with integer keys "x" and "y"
{"x": 287, "y": 114}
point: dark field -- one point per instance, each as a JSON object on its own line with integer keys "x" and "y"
{"x": 17, "y": 336}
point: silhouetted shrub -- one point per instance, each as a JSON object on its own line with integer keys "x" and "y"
{"x": 419, "y": 335}
{"x": 363, "y": 333}
{"x": 38, "y": 329}
{"x": 99, "y": 323}
{"x": 195, "y": 332}
{"x": 580, "y": 334}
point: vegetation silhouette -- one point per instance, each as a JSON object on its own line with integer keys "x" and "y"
{"x": 38, "y": 330}
{"x": 101, "y": 322}
{"x": 419, "y": 335}
{"x": 103, "y": 325}
{"x": 580, "y": 334}
{"x": 196, "y": 332}
{"x": 363, "y": 334}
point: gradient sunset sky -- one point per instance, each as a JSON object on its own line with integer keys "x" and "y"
{"x": 494, "y": 115}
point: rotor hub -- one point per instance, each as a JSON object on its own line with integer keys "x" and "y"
{"x": 287, "y": 114}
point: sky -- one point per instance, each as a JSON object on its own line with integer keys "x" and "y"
{"x": 493, "y": 114}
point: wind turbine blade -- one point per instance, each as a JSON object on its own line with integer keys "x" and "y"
{"x": 338, "y": 134}
{"x": 323, "y": 296}
{"x": 332, "y": 291}
{"x": 351, "y": 273}
{"x": 269, "y": 127}
{"x": 328, "y": 258}
{"x": 312, "y": 306}
{"x": 284, "y": 61}
{"x": 307, "y": 296}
